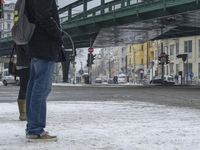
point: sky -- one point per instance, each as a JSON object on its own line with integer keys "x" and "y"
{"x": 60, "y": 2}
{"x": 65, "y": 2}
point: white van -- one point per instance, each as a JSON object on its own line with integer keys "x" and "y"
{"x": 8, "y": 78}
{"x": 122, "y": 78}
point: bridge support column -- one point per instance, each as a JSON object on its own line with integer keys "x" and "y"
{"x": 102, "y": 3}
{"x": 65, "y": 69}
{"x": 128, "y": 2}
{"x": 84, "y": 7}
{"x": 164, "y": 4}
{"x": 69, "y": 13}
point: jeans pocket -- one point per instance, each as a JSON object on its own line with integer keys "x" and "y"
{"x": 35, "y": 59}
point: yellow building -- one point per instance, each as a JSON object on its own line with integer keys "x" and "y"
{"x": 140, "y": 58}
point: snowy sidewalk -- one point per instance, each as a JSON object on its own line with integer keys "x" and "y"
{"x": 106, "y": 126}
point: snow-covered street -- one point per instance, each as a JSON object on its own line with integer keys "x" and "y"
{"x": 106, "y": 126}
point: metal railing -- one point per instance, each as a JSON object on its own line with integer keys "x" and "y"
{"x": 104, "y": 8}
{"x": 113, "y": 6}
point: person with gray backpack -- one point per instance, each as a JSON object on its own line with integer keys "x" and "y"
{"x": 44, "y": 47}
{"x": 22, "y": 31}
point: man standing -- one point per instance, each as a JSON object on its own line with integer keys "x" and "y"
{"x": 44, "y": 45}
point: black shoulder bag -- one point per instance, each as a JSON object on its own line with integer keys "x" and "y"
{"x": 12, "y": 64}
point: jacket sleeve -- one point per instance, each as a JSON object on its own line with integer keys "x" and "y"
{"x": 45, "y": 12}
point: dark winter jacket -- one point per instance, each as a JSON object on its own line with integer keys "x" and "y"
{"x": 47, "y": 37}
{"x": 23, "y": 59}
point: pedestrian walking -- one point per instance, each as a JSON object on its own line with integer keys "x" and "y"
{"x": 44, "y": 47}
{"x": 176, "y": 78}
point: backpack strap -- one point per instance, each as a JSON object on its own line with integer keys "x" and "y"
{"x": 12, "y": 53}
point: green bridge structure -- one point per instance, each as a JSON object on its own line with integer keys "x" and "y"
{"x": 122, "y": 22}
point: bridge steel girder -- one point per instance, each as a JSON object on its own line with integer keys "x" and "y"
{"x": 130, "y": 14}
{"x": 135, "y": 13}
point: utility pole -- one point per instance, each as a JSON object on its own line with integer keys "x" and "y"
{"x": 90, "y": 61}
{"x": 126, "y": 64}
{"x": 109, "y": 67}
{"x": 81, "y": 65}
{"x": 147, "y": 54}
{"x": 162, "y": 63}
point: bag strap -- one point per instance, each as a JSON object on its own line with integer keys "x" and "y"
{"x": 12, "y": 52}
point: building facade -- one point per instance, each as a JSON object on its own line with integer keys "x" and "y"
{"x": 6, "y": 22}
{"x": 184, "y": 45}
{"x": 143, "y": 58}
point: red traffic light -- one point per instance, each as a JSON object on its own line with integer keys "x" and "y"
{"x": 167, "y": 59}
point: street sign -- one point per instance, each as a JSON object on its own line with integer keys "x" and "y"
{"x": 90, "y": 50}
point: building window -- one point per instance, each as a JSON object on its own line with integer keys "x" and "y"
{"x": 171, "y": 69}
{"x": 172, "y": 50}
{"x": 199, "y": 70}
{"x": 8, "y": 16}
{"x": 166, "y": 49}
{"x": 188, "y": 46}
{"x": 142, "y": 61}
{"x": 199, "y": 48}
{"x": 177, "y": 68}
{"x": 188, "y": 70}
{"x": 129, "y": 61}
{"x": 8, "y": 26}
{"x": 177, "y": 48}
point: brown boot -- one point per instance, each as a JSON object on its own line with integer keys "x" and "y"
{"x": 22, "y": 109}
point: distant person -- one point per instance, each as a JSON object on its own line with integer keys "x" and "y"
{"x": 176, "y": 78}
{"x": 43, "y": 47}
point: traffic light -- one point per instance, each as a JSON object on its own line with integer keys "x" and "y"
{"x": 1, "y": 9}
{"x": 167, "y": 59}
{"x": 89, "y": 60}
{"x": 159, "y": 60}
{"x": 183, "y": 56}
{"x": 92, "y": 58}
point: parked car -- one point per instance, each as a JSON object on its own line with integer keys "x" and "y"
{"x": 122, "y": 78}
{"x": 9, "y": 79}
{"x": 168, "y": 80}
{"x": 98, "y": 80}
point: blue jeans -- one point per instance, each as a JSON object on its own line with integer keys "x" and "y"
{"x": 39, "y": 87}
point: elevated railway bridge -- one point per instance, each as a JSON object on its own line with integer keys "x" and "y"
{"x": 122, "y": 22}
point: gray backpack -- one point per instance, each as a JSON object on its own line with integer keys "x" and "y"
{"x": 22, "y": 30}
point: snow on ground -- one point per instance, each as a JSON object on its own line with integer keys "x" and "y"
{"x": 106, "y": 126}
